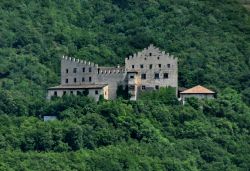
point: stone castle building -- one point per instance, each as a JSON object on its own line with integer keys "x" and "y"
{"x": 149, "y": 69}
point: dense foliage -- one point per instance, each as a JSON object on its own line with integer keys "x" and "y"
{"x": 211, "y": 40}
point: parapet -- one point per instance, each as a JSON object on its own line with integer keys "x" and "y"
{"x": 75, "y": 60}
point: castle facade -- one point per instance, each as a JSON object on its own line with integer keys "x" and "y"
{"x": 147, "y": 70}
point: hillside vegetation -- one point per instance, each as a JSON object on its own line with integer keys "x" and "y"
{"x": 211, "y": 38}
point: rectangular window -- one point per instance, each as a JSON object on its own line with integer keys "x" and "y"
{"x": 168, "y": 65}
{"x": 156, "y": 87}
{"x": 150, "y": 66}
{"x": 78, "y": 93}
{"x": 143, "y": 87}
{"x": 83, "y": 69}
{"x": 159, "y": 65}
{"x": 165, "y": 75}
{"x": 96, "y": 92}
{"x": 150, "y": 54}
{"x": 133, "y": 66}
{"x": 67, "y": 71}
{"x": 55, "y": 93}
{"x": 83, "y": 79}
{"x": 131, "y": 76}
{"x": 157, "y": 75}
{"x": 143, "y": 76}
{"x": 90, "y": 69}
{"x": 74, "y": 70}
{"x": 71, "y": 92}
{"x": 75, "y": 80}
{"x": 64, "y": 93}
{"x": 90, "y": 79}
{"x": 67, "y": 80}
{"x": 141, "y": 66}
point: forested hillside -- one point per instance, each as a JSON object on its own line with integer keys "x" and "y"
{"x": 211, "y": 38}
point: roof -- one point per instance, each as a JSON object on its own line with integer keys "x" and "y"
{"x": 82, "y": 86}
{"x": 197, "y": 90}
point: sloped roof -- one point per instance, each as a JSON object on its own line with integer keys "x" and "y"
{"x": 82, "y": 86}
{"x": 197, "y": 90}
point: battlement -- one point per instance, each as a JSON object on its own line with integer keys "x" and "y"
{"x": 75, "y": 60}
{"x": 111, "y": 70}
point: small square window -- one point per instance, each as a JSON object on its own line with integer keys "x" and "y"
{"x": 131, "y": 76}
{"x": 150, "y": 66}
{"x": 75, "y": 80}
{"x": 83, "y": 79}
{"x": 83, "y": 69}
{"x": 141, "y": 66}
{"x": 67, "y": 80}
{"x": 90, "y": 79}
{"x": 157, "y": 76}
{"x": 159, "y": 65}
{"x": 156, "y": 87}
{"x": 143, "y": 87}
{"x": 74, "y": 70}
{"x": 168, "y": 65}
{"x": 67, "y": 71}
{"x": 165, "y": 75}
{"x": 96, "y": 92}
{"x": 143, "y": 76}
{"x": 133, "y": 66}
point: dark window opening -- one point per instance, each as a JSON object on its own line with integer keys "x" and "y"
{"x": 64, "y": 93}
{"x": 143, "y": 87}
{"x": 67, "y": 71}
{"x": 83, "y": 79}
{"x": 90, "y": 79}
{"x": 165, "y": 75}
{"x": 74, "y": 70}
{"x": 158, "y": 57}
{"x": 143, "y": 76}
{"x": 98, "y": 71}
{"x": 150, "y": 66}
{"x": 90, "y": 69}
{"x": 168, "y": 65}
{"x": 78, "y": 93}
{"x": 133, "y": 66}
{"x": 156, "y": 87}
{"x": 131, "y": 76}
{"x": 145, "y": 59}
{"x": 159, "y": 65}
{"x": 71, "y": 92}
{"x": 96, "y": 92}
{"x": 157, "y": 75}
{"x": 67, "y": 80}
{"x": 83, "y": 69}
{"x": 75, "y": 80}
{"x": 150, "y": 54}
{"x": 141, "y": 66}
{"x": 55, "y": 93}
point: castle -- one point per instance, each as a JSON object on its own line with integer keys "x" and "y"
{"x": 149, "y": 69}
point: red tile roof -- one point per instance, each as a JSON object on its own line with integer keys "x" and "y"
{"x": 197, "y": 90}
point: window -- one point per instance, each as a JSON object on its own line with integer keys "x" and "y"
{"x": 71, "y": 92}
{"x": 150, "y": 66}
{"x": 157, "y": 76}
{"x": 90, "y": 79}
{"x": 131, "y": 76}
{"x": 75, "y": 80}
{"x": 83, "y": 79}
{"x": 90, "y": 69}
{"x": 158, "y": 58}
{"x": 150, "y": 54}
{"x": 141, "y": 66}
{"x": 145, "y": 59}
{"x": 64, "y": 93}
{"x": 156, "y": 87}
{"x": 74, "y": 70}
{"x": 165, "y": 75}
{"x": 143, "y": 76}
{"x": 159, "y": 65}
{"x": 143, "y": 87}
{"x": 96, "y": 92}
{"x": 133, "y": 66}
{"x": 168, "y": 65}
{"x": 78, "y": 93}
{"x": 67, "y": 71}
{"x": 83, "y": 69}
{"x": 55, "y": 93}
{"x": 67, "y": 80}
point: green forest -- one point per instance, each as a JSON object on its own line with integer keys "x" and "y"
{"x": 211, "y": 39}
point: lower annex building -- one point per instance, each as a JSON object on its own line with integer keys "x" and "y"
{"x": 149, "y": 69}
